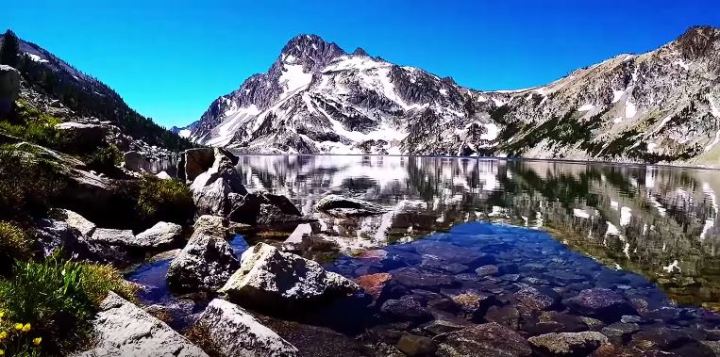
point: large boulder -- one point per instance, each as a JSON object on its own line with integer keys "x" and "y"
{"x": 268, "y": 276}
{"x": 490, "y": 339}
{"x": 75, "y": 220}
{"x": 82, "y": 136}
{"x": 340, "y": 206}
{"x": 197, "y": 161}
{"x": 236, "y": 333}
{"x": 568, "y": 343}
{"x": 207, "y": 261}
{"x": 107, "y": 236}
{"x": 160, "y": 236}
{"x": 9, "y": 88}
{"x": 123, "y": 329}
{"x": 265, "y": 209}
{"x": 211, "y": 188}
{"x": 137, "y": 161}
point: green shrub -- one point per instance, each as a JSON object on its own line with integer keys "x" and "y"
{"x": 98, "y": 279}
{"x": 14, "y": 244}
{"x": 27, "y": 184}
{"x": 57, "y": 299}
{"x": 32, "y": 125}
{"x": 105, "y": 159}
{"x": 164, "y": 200}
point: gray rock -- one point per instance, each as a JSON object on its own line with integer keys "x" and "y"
{"x": 269, "y": 276}
{"x": 207, "y": 261}
{"x": 123, "y": 329}
{"x": 236, "y": 333}
{"x": 117, "y": 237}
{"x": 159, "y": 236}
{"x": 212, "y": 187}
{"x": 136, "y": 161}
{"x": 9, "y": 87}
{"x": 78, "y": 222}
{"x": 490, "y": 339}
{"x": 568, "y": 343}
{"x": 340, "y": 206}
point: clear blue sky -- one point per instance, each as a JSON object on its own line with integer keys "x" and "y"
{"x": 170, "y": 59}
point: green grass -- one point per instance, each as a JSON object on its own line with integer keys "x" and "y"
{"x": 31, "y": 125}
{"x": 57, "y": 299}
{"x": 27, "y": 184}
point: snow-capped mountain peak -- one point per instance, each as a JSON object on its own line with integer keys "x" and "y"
{"x": 655, "y": 106}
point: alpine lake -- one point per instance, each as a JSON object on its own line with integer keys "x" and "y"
{"x": 528, "y": 244}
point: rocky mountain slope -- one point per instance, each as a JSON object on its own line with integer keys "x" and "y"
{"x": 660, "y": 106}
{"x": 55, "y": 87}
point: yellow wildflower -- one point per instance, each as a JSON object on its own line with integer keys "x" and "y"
{"x": 19, "y": 327}
{"x": 2, "y": 352}
{"x": 26, "y": 328}
{"x": 3, "y": 335}
{"x": 37, "y": 341}
{"x": 2, "y": 314}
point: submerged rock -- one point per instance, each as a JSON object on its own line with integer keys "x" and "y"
{"x": 123, "y": 329}
{"x": 619, "y": 332}
{"x": 373, "y": 283}
{"x": 416, "y": 346}
{"x": 604, "y": 304}
{"x": 568, "y": 343}
{"x": 268, "y": 276}
{"x": 207, "y": 261}
{"x": 490, "y": 339}
{"x": 340, "y": 206}
{"x": 406, "y": 308}
{"x": 234, "y": 332}
{"x": 530, "y": 300}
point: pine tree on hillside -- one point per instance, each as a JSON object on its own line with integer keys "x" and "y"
{"x": 10, "y": 50}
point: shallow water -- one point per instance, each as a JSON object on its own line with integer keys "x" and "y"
{"x": 659, "y": 222}
{"x": 457, "y": 229}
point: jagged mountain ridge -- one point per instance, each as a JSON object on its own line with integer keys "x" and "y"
{"x": 58, "y": 88}
{"x": 661, "y": 106}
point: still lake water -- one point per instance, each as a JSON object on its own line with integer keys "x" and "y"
{"x": 659, "y": 222}
{"x": 495, "y": 227}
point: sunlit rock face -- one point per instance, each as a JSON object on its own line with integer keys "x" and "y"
{"x": 656, "y": 221}
{"x": 659, "y": 106}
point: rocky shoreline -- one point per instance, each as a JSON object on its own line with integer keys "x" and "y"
{"x": 478, "y": 290}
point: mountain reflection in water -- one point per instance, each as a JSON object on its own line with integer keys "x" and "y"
{"x": 660, "y": 222}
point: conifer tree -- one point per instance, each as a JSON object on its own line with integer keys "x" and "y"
{"x": 10, "y": 50}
